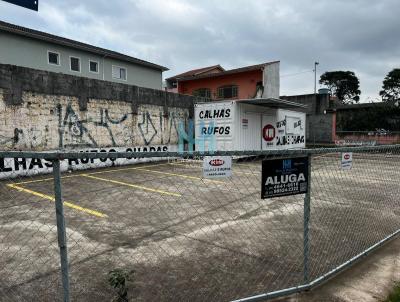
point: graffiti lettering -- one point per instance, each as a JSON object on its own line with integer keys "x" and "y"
{"x": 290, "y": 140}
{"x": 147, "y": 128}
{"x": 13, "y": 167}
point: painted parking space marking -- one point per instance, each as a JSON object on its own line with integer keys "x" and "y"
{"x": 41, "y": 180}
{"x": 187, "y": 165}
{"x": 92, "y": 173}
{"x": 327, "y": 155}
{"x": 255, "y": 173}
{"x": 252, "y": 166}
{"x": 199, "y": 166}
{"x": 144, "y": 168}
{"x": 141, "y": 168}
{"x": 125, "y": 169}
{"x": 131, "y": 185}
{"x": 51, "y": 198}
{"x": 181, "y": 175}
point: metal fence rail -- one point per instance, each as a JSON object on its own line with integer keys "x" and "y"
{"x": 159, "y": 231}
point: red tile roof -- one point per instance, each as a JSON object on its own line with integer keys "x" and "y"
{"x": 196, "y": 72}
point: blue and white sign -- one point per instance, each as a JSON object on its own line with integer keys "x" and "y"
{"x": 284, "y": 177}
{"x": 30, "y": 4}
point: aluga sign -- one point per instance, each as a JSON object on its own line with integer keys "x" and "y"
{"x": 283, "y": 177}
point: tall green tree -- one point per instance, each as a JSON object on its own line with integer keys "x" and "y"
{"x": 342, "y": 84}
{"x": 391, "y": 86}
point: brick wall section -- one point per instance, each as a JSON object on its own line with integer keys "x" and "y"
{"x": 41, "y": 110}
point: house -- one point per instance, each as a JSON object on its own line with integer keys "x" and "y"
{"x": 255, "y": 81}
{"x": 30, "y": 48}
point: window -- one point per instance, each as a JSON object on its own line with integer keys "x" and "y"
{"x": 93, "y": 66}
{"x": 53, "y": 58}
{"x": 75, "y": 64}
{"x": 228, "y": 92}
{"x": 119, "y": 73}
{"x": 202, "y": 92}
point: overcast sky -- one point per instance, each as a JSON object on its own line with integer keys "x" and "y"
{"x": 358, "y": 35}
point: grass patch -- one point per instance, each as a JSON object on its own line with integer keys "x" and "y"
{"x": 394, "y": 295}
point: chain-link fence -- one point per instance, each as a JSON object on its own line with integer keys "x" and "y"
{"x": 160, "y": 231}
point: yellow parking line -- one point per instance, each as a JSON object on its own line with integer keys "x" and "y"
{"x": 181, "y": 175}
{"x": 124, "y": 169}
{"x": 234, "y": 171}
{"x": 66, "y": 203}
{"x": 324, "y": 155}
{"x": 255, "y": 165}
{"x": 131, "y": 185}
{"x": 188, "y": 165}
{"x": 41, "y": 180}
{"x": 255, "y": 173}
{"x": 76, "y": 175}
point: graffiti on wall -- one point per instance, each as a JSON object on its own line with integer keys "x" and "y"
{"x": 77, "y": 132}
{"x": 146, "y": 128}
{"x": 105, "y": 129}
{"x": 11, "y": 140}
{"x": 29, "y": 137}
{"x": 104, "y": 124}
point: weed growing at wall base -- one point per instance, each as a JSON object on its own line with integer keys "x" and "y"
{"x": 118, "y": 279}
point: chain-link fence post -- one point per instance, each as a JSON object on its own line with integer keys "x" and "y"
{"x": 306, "y": 243}
{"x": 61, "y": 232}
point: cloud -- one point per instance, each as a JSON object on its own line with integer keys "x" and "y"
{"x": 359, "y": 35}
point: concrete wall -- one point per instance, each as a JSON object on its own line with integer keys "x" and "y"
{"x": 32, "y": 53}
{"x": 271, "y": 80}
{"x": 366, "y": 139}
{"x": 40, "y": 110}
{"x": 320, "y": 127}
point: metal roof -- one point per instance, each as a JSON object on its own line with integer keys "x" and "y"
{"x": 273, "y": 103}
{"x": 35, "y": 34}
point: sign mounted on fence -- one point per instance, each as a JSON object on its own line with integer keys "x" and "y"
{"x": 347, "y": 160}
{"x": 285, "y": 176}
{"x": 30, "y": 4}
{"x": 217, "y": 166}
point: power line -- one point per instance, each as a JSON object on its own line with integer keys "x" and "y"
{"x": 297, "y": 73}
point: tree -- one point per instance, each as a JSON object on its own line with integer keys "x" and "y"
{"x": 342, "y": 84}
{"x": 391, "y": 86}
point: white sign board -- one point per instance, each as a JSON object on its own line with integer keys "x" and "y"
{"x": 217, "y": 166}
{"x": 214, "y": 126}
{"x": 347, "y": 160}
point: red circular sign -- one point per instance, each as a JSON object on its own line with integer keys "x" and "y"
{"x": 216, "y": 162}
{"x": 268, "y": 132}
{"x": 347, "y": 156}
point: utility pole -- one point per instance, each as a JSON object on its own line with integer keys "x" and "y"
{"x": 315, "y": 77}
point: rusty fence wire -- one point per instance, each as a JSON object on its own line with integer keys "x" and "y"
{"x": 157, "y": 230}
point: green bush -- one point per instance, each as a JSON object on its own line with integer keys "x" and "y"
{"x": 394, "y": 295}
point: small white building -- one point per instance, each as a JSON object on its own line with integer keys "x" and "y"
{"x": 249, "y": 124}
